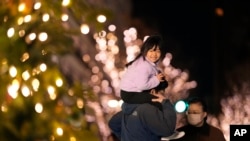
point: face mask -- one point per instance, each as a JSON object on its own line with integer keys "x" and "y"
{"x": 194, "y": 119}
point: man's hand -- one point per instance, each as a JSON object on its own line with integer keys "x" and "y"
{"x": 159, "y": 96}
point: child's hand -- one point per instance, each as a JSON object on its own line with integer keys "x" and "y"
{"x": 160, "y": 77}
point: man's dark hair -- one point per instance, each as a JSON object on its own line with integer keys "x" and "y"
{"x": 198, "y": 100}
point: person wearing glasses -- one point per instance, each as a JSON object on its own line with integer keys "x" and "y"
{"x": 197, "y": 128}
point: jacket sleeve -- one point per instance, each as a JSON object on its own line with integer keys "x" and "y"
{"x": 146, "y": 76}
{"x": 161, "y": 123}
{"x": 115, "y": 124}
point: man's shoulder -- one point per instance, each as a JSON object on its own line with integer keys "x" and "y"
{"x": 216, "y": 129}
{"x": 184, "y": 128}
{"x": 145, "y": 107}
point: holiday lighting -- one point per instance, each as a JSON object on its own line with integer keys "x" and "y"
{"x": 39, "y": 80}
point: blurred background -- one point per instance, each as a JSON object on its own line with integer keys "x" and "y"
{"x": 61, "y": 62}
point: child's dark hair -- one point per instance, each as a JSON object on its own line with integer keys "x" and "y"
{"x": 151, "y": 41}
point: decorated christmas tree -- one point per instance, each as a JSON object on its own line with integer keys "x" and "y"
{"x": 38, "y": 101}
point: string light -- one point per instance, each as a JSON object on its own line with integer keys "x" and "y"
{"x": 10, "y": 32}
{"x": 59, "y": 82}
{"x": 65, "y": 17}
{"x": 65, "y": 2}
{"x": 35, "y": 84}
{"x": 45, "y": 17}
{"x": 101, "y": 18}
{"x": 43, "y": 36}
{"x": 37, "y": 5}
{"x": 25, "y": 75}
{"x": 21, "y": 7}
{"x": 25, "y": 91}
{"x": 13, "y": 71}
{"x": 38, "y": 107}
{"x": 85, "y": 29}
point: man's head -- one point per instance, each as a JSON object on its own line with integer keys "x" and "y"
{"x": 197, "y": 111}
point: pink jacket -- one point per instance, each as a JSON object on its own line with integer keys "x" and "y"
{"x": 139, "y": 76}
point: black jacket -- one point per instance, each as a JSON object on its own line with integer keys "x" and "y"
{"x": 204, "y": 133}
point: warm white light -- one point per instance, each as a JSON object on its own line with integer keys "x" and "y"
{"x": 20, "y": 20}
{"x": 84, "y": 29}
{"x": 10, "y": 32}
{"x": 59, "y": 82}
{"x": 15, "y": 83}
{"x": 25, "y": 75}
{"x": 27, "y": 18}
{"x": 13, "y": 71}
{"x": 35, "y": 84}
{"x": 65, "y": 2}
{"x": 45, "y": 17}
{"x": 59, "y": 131}
{"x": 12, "y": 91}
{"x": 32, "y": 36}
{"x": 65, "y": 17}
{"x": 43, "y": 36}
{"x": 25, "y": 91}
{"x": 51, "y": 89}
{"x": 101, "y": 18}
{"x": 39, "y": 108}
{"x": 21, "y": 7}
{"x": 43, "y": 67}
{"x": 37, "y": 5}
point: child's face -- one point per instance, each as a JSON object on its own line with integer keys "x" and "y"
{"x": 153, "y": 55}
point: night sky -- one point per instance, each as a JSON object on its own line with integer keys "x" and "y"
{"x": 186, "y": 27}
{"x": 214, "y": 49}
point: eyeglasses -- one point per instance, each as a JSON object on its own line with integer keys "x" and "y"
{"x": 193, "y": 112}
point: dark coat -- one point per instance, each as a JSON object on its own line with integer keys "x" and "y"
{"x": 144, "y": 122}
{"x": 203, "y": 133}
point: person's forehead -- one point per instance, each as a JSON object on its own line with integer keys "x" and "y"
{"x": 195, "y": 106}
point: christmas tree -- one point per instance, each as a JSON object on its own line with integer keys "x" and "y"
{"x": 38, "y": 101}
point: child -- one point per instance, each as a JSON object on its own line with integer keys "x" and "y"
{"x": 142, "y": 73}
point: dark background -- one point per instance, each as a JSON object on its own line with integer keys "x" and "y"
{"x": 209, "y": 46}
